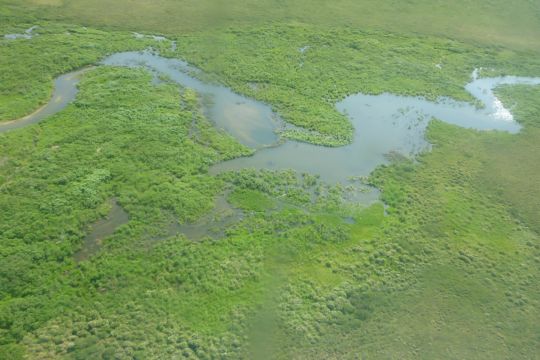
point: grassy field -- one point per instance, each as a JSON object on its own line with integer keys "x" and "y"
{"x": 514, "y": 24}
{"x": 447, "y": 268}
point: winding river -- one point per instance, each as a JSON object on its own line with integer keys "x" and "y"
{"x": 384, "y": 124}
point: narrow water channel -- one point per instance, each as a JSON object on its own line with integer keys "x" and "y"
{"x": 65, "y": 90}
{"x": 251, "y": 122}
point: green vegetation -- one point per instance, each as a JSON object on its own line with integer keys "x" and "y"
{"x": 516, "y": 166}
{"x": 447, "y": 268}
{"x": 57, "y": 175}
{"x": 267, "y": 64}
{"x": 28, "y": 67}
{"x": 513, "y": 24}
{"x": 304, "y": 86}
{"x": 251, "y": 200}
{"x": 480, "y": 260}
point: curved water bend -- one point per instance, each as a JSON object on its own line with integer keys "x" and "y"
{"x": 386, "y": 124}
{"x": 251, "y": 122}
{"x": 65, "y": 90}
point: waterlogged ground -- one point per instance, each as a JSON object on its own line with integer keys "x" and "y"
{"x": 116, "y": 217}
{"x": 211, "y": 225}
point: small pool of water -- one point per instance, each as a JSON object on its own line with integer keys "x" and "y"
{"x": 101, "y": 229}
{"x": 26, "y": 35}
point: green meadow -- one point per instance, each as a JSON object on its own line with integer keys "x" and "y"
{"x": 511, "y": 24}
{"x": 444, "y": 266}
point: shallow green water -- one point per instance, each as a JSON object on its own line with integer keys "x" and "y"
{"x": 212, "y": 224}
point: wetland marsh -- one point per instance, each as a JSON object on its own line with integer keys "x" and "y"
{"x": 293, "y": 188}
{"x": 384, "y": 124}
